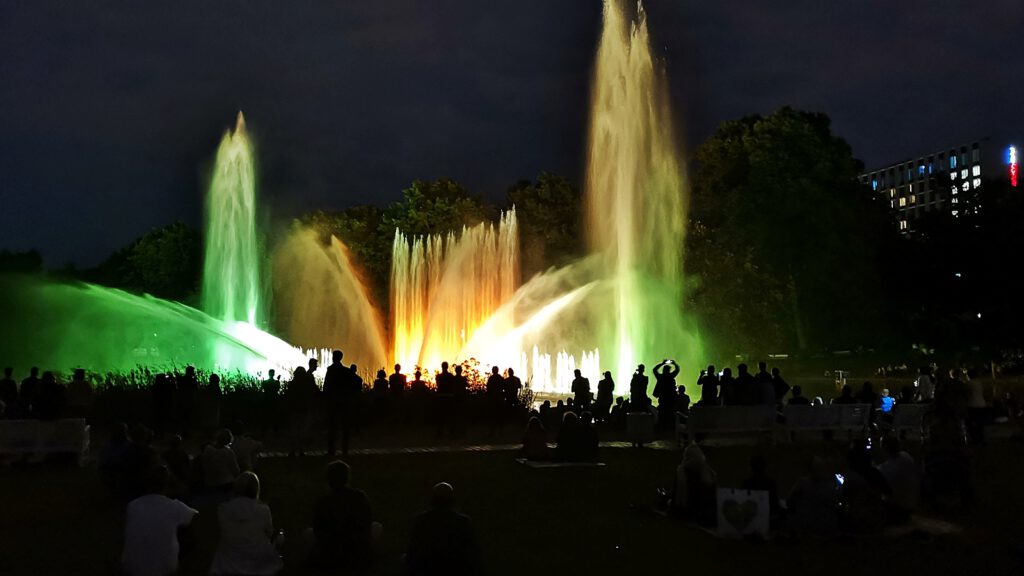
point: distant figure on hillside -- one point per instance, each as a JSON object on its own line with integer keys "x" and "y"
{"x": 246, "y": 533}
{"x": 80, "y": 395}
{"x": 9, "y": 392}
{"x": 343, "y": 527}
{"x": 443, "y": 541}
{"x": 495, "y": 394}
{"x": 581, "y": 391}
{"x": 605, "y": 392}
{"x": 29, "y": 390}
{"x": 798, "y": 398}
{"x": 845, "y": 396}
{"x": 638, "y": 399}
{"x": 665, "y": 391}
{"x": 151, "y": 529}
{"x": 780, "y": 386}
{"x": 708, "y": 383}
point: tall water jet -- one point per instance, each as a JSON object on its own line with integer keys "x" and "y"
{"x": 636, "y": 199}
{"x": 231, "y": 273}
{"x": 445, "y": 287}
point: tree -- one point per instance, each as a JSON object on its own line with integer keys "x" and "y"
{"x": 783, "y": 237}
{"x": 549, "y": 212}
{"x": 166, "y": 262}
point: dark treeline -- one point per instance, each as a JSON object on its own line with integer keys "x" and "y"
{"x": 786, "y": 251}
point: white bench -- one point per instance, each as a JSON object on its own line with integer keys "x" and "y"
{"x": 45, "y": 437}
{"x": 849, "y": 418}
{"x": 729, "y": 420}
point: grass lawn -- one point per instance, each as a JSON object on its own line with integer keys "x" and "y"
{"x": 59, "y": 520}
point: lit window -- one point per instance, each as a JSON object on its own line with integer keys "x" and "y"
{"x": 920, "y": 170}
{"x": 976, "y": 183}
{"x": 955, "y": 201}
{"x": 931, "y": 167}
{"x": 892, "y": 192}
{"x": 952, "y": 175}
{"x": 913, "y": 199}
{"x": 874, "y": 184}
{"x": 892, "y": 203}
{"x": 976, "y": 170}
{"x": 903, "y": 224}
{"x": 966, "y": 186}
{"x": 903, "y": 202}
{"x": 952, "y": 162}
{"x": 911, "y": 187}
{"x": 955, "y": 190}
{"x": 963, "y": 173}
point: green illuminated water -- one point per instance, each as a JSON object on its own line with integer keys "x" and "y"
{"x": 231, "y": 273}
{"x": 637, "y": 201}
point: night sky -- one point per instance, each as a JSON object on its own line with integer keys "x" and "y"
{"x": 110, "y": 112}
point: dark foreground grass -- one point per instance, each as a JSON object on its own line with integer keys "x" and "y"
{"x": 59, "y": 520}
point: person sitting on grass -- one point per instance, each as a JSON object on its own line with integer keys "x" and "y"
{"x": 220, "y": 467}
{"x": 246, "y": 448}
{"x": 903, "y": 476}
{"x": 246, "y": 533}
{"x": 343, "y": 527}
{"x": 151, "y": 529}
{"x": 812, "y": 507}
{"x": 535, "y": 443}
{"x": 570, "y": 443}
{"x": 442, "y": 541}
{"x": 179, "y": 463}
{"x": 695, "y": 491}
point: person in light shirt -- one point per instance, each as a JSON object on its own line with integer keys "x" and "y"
{"x": 151, "y": 529}
{"x": 246, "y": 532}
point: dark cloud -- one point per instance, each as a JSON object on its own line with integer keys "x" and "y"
{"x": 110, "y": 111}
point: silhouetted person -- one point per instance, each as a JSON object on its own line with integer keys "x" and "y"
{"x": 379, "y": 393}
{"x": 495, "y": 394}
{"x": 845, "y": 396}
{"x": 442, "y": 541}
{"x": 212, "y": 395}
{"x": 341, "y": 395}
{"x": 708, "y": 383}
{"x": 762, "y": 372}
{"x": 188, "y": 390}
{"x": 9, "y": 392}
{"x": 581, "y": 391}
{"x": 29, "y": 390}
{"x": 396, "y": 382}
{"x": 727, "y": 386}
{"x": 461, "y": 388}
{"x": 342, "y": 524}
{"x": 665, "y": 391}
{"x": 445, "y": 399}
{"x": 535, "y": 441}
{"x": 300, "y": 398}
{"x": 589, "y": 442}
{"x": 220, "y": 465}
{"x": 513, "y": 385}
{"x": 178, "y": 462}
{"x": 163, "y": 403}
{"x": 270, "y": 400}
{"x": 418, "y": 385}
{"x": 52, "y": 399}
{"x": 605, "y": 391}
{"x": 638, "y": 390}
{"x": 863, "y": 493}
{"x": 781, "y": 388}
{"x": 798, "y": 398}
{"x": 748, "y": 393}
{"x": 569, "y": 444}
{"x": 867, "y": 395}
{"x": 925, "y": 385}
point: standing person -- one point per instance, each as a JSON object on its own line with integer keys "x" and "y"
{"x": 418, "y": 385}
{"x": 925, "y": 385}
{"x": 638, "y": 399}
{"x": 335, "y": 384}
{"x": 780, "y": 386}
{"x": 246, "y": 533}
{"x": 581, "y": 391}
{"x": 444, "y": 399}
{"x": 747, "y": 391}
{"x": 188, "y": 389}
{"x": 299, "y": 398}
{"x": 52, "y": 400}
{"x": 442, "y": 540}
{"x": 605, "y": 389}
{"x": 727, "y": 388}
{"x": 513, "y": 385}
{"x": 29, "y": 390}
{"x": 708, "y": 383}
{"x": 396, "y": 389}
{"x": 461, "y": 388}
{"x": 495, "y": 393}
{"x": 151, "y": 529}
{"x": 665, "y": 391}
{"x": 270, "y": 398}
